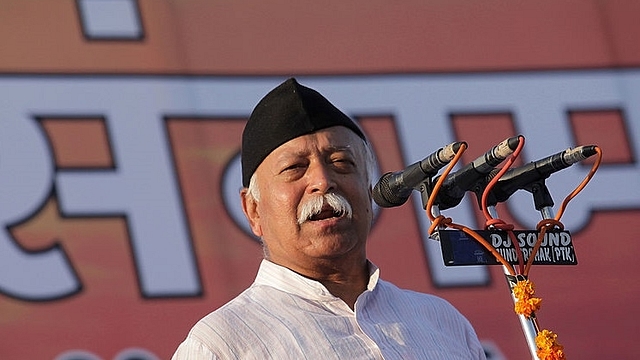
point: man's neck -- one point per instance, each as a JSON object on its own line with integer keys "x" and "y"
{"x": 344, "y": 278}
{"x": 345, "y": 291}
{"x": 346, "y": 282}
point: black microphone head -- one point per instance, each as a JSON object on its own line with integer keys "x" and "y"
{"x": 384, "y": 196}
{"x": 456, "y": 146}
{"x": 589, "y": 150}
{"x": 513, "y": 142}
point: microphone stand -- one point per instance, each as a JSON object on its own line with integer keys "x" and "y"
{"x": 529, "y": 325}
{"x": 541, "y": 198}
{"x": 425, "y": 189}
{"x": 543, "y": 202}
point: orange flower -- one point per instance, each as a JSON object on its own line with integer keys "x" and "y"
{"x": 526, "y": 304}
{"x": 548, "y": 346}
{"x": 523, "y": 289}
{"x": 527, "y": 307}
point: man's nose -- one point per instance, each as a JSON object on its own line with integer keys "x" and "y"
{"x": 321, "y": 179}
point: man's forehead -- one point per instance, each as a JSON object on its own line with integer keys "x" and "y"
{"x": 336, "y": 138}
{"x": 294, "y": 152}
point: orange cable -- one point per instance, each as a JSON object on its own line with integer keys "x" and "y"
{"x": 545, "y": 224}
{"x": 495, "y": 179}
{"x": 582, "y": 185}
{"x": 542, "y": 227}
{"x": 448, "y": 222}
{"x": 445, "y": 173}
{"x": 499, "y": 223}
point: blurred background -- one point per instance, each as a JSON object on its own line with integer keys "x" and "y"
{"x": 120, "y": 125}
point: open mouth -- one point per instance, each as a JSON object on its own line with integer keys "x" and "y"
{"x": 326, "y": 214}
{"x": 325, "y": 208}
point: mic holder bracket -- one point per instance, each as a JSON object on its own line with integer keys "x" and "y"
{"x": 478, "y": 189}
{"x": 541, "y": 195}
{"x": 542, "y": 198}
{"x": 426, "y": 189}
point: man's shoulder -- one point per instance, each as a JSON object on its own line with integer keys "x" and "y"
{"x": 247, "y": 300}
{"x": 232, "y": 317}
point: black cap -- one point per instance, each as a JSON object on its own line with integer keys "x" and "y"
{"x": 285, "y": 113}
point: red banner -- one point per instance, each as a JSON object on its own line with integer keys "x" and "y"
{"x": 120, "y": 132}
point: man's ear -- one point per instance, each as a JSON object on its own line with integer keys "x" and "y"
{"x": 250, "y": 209}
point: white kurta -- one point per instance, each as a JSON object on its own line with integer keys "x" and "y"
{"x": 283, "y": 315}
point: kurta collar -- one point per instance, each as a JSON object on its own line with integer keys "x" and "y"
{"x": 289, "y": 281}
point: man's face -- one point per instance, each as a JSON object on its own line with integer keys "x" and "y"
{"x": 328, "y": 161}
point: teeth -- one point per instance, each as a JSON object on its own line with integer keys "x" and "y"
{"x": 318, "y": 215}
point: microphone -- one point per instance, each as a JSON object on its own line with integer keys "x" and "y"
{"x": 465, "y": 179}
{"x": 523, "y": 176}
{"x": 394, "y": 189}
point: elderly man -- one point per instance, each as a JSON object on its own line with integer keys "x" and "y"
{"x": 306, "y": 170}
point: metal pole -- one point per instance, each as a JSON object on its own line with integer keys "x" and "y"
{"x": 529, "y": 325}
{"x": 529, "y": 328}
{"x": 546, "y": 212}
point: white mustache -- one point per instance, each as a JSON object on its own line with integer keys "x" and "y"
{"x": 313, "y": 206}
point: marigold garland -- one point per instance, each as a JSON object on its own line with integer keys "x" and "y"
{"x": 526, "y": 304}
{"x": 548, "y": 346}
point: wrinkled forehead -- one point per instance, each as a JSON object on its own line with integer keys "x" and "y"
{"x": 329, "y": 140}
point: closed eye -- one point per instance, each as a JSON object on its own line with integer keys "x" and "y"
{"x": 291, "y": 167}
{"x": 343, "y": 164}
